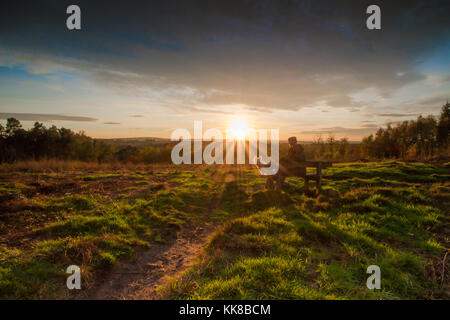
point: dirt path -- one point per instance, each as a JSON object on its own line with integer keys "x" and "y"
{"x": 140, "y": 278}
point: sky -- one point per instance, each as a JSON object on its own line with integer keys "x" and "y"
{"x": 146, "y": 68}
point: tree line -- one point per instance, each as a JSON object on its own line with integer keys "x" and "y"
{"x": 40, "y": 142}
{"x": 422, "y": 138}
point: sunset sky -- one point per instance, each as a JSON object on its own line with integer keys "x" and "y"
{"x": 145, "y": 68}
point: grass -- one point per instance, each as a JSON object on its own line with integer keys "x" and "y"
{"x": 92, "y": 177}
{"x": 78, "y": 220}
{"x": 271, "y": 246}
{"x": 63, "y": 166}
{"x": 390, "y": 214}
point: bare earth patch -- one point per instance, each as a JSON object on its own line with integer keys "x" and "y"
{"x": 150, "y": 269}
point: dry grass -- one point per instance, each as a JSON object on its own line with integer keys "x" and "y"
{"x": 55, "y": 165}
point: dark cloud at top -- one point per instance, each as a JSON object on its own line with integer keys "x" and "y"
{"x": 264, "y": 54}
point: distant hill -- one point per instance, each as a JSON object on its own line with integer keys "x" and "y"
{"x": 135, "y": 139}
{"x": 143, "y": 141}
{"x": 137, "y": 142}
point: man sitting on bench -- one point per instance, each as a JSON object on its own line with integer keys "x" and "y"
{"x": 292, "y": 164}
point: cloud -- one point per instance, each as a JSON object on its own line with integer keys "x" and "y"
{"x": 137, "y": 116}
{"x": 392, "y": 123}
{"x": 55, "y": 87}
{"x": 370, "y": 125}
{"x": 396, "y": 115}
{"x": 428, "y": 103}
{"x": 434, "y": 101}
{"x": 267, "y": 56}
{"x": 343, "y": 131}
{"x": 111, "y": 122}
{"x": 44, "y": 117}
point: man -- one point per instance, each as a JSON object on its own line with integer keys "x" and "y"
{"x": 296, "y": 152}
{"x": 291, "y": 165}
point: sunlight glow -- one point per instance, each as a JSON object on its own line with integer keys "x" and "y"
{"x": 238, "y": 129}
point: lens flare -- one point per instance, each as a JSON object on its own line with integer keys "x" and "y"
{"x": 238, "y": 129}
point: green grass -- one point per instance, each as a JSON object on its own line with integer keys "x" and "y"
{"x": 390, "y": 214}
{"x": 12, "y": 187}
{"x": 272, "y": 246}
{"x": 94, "y": 177}
{"x": 94, "y": 232}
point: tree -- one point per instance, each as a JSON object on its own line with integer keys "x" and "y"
{"x": 319, "y": 146}
{"x": 443, "y": 128}
{"x": 127, "y": 154}
{"x": 418, "y": 138}
{"x": 104, "y": 152}
{"x": 148, "y": 154}
{"x": 17, "y": 143}
{"x": 12, "y": 125}
{"x": 2, "y": 143}
{"x": 343, "y": 148}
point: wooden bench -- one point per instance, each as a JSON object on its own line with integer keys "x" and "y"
{"x": 274, "y": 181}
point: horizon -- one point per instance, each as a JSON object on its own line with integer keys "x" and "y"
{"x": 29, "y": 124}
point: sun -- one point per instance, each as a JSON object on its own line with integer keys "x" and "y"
{"x": 238, "y": 129}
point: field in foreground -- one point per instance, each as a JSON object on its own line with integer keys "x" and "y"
{"x": 268, "y": 246}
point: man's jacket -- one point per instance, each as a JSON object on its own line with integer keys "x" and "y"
{"x": 296, "y": 153}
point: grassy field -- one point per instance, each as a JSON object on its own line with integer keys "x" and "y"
{"x": 270, "y": 246}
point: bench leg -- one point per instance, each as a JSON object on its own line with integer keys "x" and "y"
{"x": 278, "y": 182}
{"x": 319, "y": 178}
{"x": 269, "y": 183}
